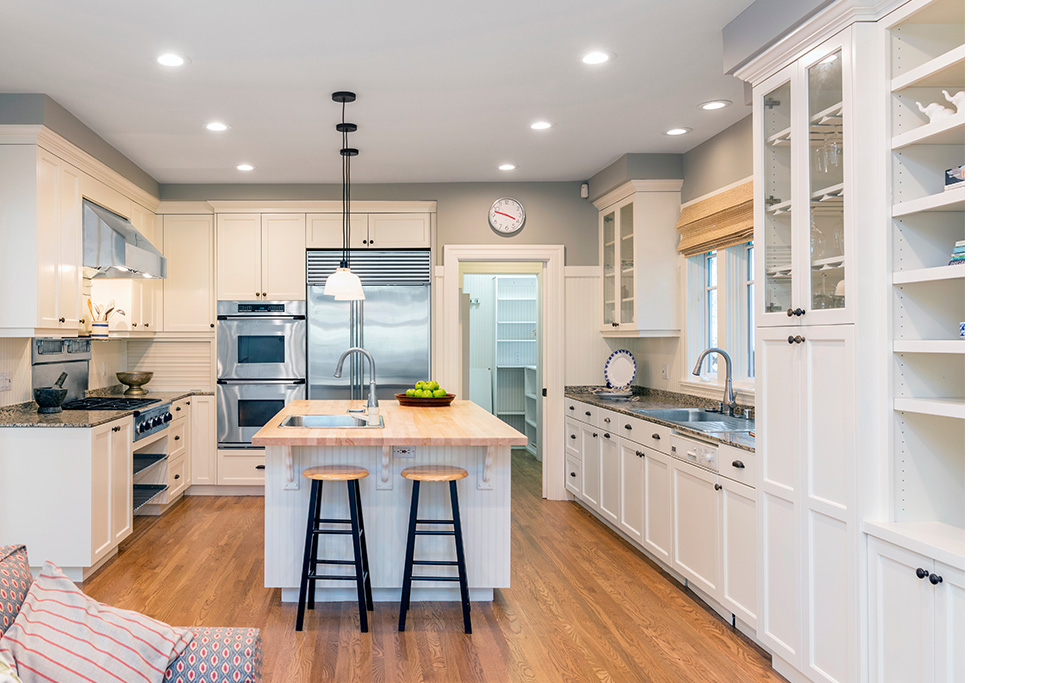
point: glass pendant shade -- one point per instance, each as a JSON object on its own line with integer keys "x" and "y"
{"x": 344, "y": 285}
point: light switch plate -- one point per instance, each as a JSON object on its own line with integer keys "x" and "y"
{"x": 5, "y": 381}
{"x": 404, "y": 451}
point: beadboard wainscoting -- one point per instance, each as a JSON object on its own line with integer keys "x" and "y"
{"x": 178, "y": 365}
{"x": 15, "y": 359}
{"x": 586, "y": 349}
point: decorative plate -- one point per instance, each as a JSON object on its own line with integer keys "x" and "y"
{"x": 620, "y": 370}
{"x": 406, "y": 400}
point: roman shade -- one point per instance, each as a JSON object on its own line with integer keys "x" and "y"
{"x": 717, "y": 222}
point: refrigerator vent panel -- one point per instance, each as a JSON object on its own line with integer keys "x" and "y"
{"x": 373, "y": 267}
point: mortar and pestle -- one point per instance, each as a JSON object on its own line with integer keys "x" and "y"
{"x": 50, "y": 398}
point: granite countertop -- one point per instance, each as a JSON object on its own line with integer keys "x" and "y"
{"x": 651, "y": 399}
{"x": 25, "y": 415}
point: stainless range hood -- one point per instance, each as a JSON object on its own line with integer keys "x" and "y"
{"x": 113, "y": 248}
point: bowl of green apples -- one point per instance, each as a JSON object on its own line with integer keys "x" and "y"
{"x": 425, "y": 394}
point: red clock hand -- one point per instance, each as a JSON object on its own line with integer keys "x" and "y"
{"x": 505, "y": 214}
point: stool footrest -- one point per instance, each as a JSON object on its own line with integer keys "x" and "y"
{"x": 338, "y": 532}
{"x": 335, "y": 562}
{"x": 438, "y": 563}
{"x": 423, "y": 532}
{"x": 435, "y": 578}
{"x": 435, "y": 521}
{"x": 334, "y": 521}
{"x": 318, "y": 577}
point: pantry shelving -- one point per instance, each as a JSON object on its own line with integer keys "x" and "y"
{"x": 516, "y": 354}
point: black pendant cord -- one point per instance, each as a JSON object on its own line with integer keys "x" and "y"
{"x": 346, "y": 194}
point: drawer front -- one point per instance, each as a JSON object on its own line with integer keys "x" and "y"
{"x": 730, "y": 461}
{"x": 572, "y": 441}
{"x": 648, "y": 434}
{"x": 573, "y": 475}
{"x": 178, "y": 436}
{"x": 580, "y": 411}
{"x": 180, "y": 408}
{"x": 178, "y": 477}
{"x": 240, "y": 468}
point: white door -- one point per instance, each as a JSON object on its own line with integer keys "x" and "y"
{"x": 238, "y": 256}
{"x": 122, "y": 480}
{"x": 900, "y": 614}
{"x": 657, "y": 535}
{"x": 949, "y": 624}
{"x": 203, "y": 438}
{"x": 591, "y": 485}
{"x": 610, "y": 476}
{"x": 284, "y": 257}
{"x": 738, "y": 589}
{"x": 188, "y": 296}
{"x": 633, "y": 482}
{"x": 696, "y": 524}
{"x": 398, "y": 230}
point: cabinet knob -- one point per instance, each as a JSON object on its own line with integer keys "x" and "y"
{"x": 640, "y": 454}
{"x": 574, "y": 436}
{"x": 588, "y": 414}
{"x": 176, "y": 476}
{"x": 795, "y": 312}
{"x": 571, "y": 407}
{"x": 258, "y": 294}
{"x": 595, "y": 434}
{"x": 61, "y": 320}
{"x": 212, "y": 325}
{"x": 606, "y": 436}
{"x": 260, "y": 467}
{"x": 177, "y": 408}
{"x": 146, "y": 324}
{"x": 738, "y": 464}
{"x": 265, "y": 294}
{"x": 115, "y": 429}
{"x": 82, "y": 320}
{"x": 718, "y": 487}
{"x": 176, "y": 438}
{"x": 187, "y": 403}
{"x": 628, "y": 427}
{"x": 795, "y": 340}
{"x": 133, "y": 324}
{"x": 655, "y": 436}
{"x": 573, "y": 474}
{"x": 364, "y": 241}
{"x": 922, "y": 573}
{"x": 607, "y": 420}
{"x": 935, "y": 579}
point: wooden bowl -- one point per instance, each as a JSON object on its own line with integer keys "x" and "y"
{"x": 438, "y": 401}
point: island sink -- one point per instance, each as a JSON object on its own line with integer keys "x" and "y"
{"x": 349, "y": 421}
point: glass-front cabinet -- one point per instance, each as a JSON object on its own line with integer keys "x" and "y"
{"x": 800, "y": 204}
{"x": 618, "y": 259}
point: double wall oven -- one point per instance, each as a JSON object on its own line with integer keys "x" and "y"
{"x": 261, "y": 365}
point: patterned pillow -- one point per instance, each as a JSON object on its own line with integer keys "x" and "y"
{"x": 15, "y": 579}
{"x": 61, "y": 631}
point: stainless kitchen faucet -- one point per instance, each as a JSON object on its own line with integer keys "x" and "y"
{"x": 729, "y": 400}
{"x": 373, "y": 402}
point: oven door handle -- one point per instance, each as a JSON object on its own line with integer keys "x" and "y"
{"x": 233, "y": 318}
{"x": 261, "y": 381}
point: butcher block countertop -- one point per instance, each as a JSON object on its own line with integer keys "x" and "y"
{"x": 463, "y": 423}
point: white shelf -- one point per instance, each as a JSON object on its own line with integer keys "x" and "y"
{"x": 908, "y": 277}
{"x": 829, "y": 263}
{"x": 947, "y": 131}
{"x": 945, "y": 71}
{"x": 952, "y": 346}
{"x": 940, "y": 407}
{"x": 781, "y": 139}
{"x": 949, "y": 200}
{"x": 942, "y": 542}
{"x": 829, "y": 116}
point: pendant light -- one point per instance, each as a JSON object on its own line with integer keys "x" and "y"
{"x": 343, "y": 284}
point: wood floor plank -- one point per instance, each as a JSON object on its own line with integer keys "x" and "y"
{"x": 583, "y": 605}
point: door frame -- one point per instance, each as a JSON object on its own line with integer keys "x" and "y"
{"x": 553, "y": 350}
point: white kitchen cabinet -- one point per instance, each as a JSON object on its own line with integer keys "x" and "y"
{"x": 639, "y": 296}
{"x": 591, "y": 469}
{"x": 261, "y": 257}
{"x": 610, "y": 478}
{"x": 659, "y": 501}
{"x": 738, "y": 581}
{"x": 325, "y": 230}
{"x": 238, "y": 257}
{"x": 111, "y": 484}
{"x": 916, "y": 620}
{"x": 203, "y": 452}
{"x": 240, "y": 467}
{"x": 695, "y": 491}
{"x": 633, "y": 489}
{"x": 572, "y": 456}
{"x": 370, "y": 231}
{"x": 189, "y": 296}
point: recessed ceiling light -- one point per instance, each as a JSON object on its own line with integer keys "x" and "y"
{"x": 828, "y": 60}
{"x": 677, "y": 131}
{"x": 541, "y": 125}
{"x": 507, "y": 167}
{"x": 244, "y": 167}
{"x": 716, "y": 104}
{"x": 597, "y": 57}
{"x": 170, "y": 59}
{"x": 216, "y": 126}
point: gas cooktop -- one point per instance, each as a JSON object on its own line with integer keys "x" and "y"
{"x": 109, "y": 403}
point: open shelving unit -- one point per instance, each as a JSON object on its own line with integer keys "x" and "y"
{"x": 926, "y": 55}
{"x": 516, "y": 355}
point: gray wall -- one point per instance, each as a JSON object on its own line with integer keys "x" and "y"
{"x": 718, "y": 161}
{"x": 761, "y": 25}
{"x": 635, "y": 167}
{"x": 555, "y": 212}
{"x": 37, "y": 109}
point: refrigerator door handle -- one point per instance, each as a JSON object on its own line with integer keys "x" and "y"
{"x": 261, "y": 381}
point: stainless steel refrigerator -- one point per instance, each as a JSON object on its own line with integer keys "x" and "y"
{"x": 392, "y": 323}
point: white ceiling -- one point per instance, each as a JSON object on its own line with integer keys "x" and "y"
{"x": 446, "y": 88}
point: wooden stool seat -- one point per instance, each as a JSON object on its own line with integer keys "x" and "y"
{"x": 434, "y": 473}
{"x": 336, "y": 473}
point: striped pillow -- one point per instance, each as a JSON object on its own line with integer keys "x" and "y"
{"x": 63, "y": 635}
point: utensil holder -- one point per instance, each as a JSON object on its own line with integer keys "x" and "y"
{"x": 99, "y": 330}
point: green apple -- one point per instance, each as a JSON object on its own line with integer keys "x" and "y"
{"x": 427, "y": 394}
{"x": 439, "y": 392}
{"x": 410, "y": 392}
{"x": 434, "y": 386}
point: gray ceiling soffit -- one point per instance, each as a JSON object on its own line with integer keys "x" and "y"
{"x": 760, "y": 25}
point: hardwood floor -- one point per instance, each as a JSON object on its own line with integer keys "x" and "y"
{"x": 583, "y": 605}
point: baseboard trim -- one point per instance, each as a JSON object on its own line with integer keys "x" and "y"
{"x": 200, "y": 490}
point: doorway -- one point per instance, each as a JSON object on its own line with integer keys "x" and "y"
{"x": 501, "y": 344}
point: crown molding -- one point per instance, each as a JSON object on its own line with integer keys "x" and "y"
{"x": 359, "y": 206}
{"x": 821, "y": 26}
{"x": 47, "y": 139}
{"x": 632, "y": 186}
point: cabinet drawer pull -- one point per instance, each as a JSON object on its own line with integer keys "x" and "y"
{"x": 176, "y": 476}
{"x": 62, "y": 319}
{"x": 655, "y": 436}
{"x": 260, "y": 467}
{"x": 594, "y": 434}
{"x": 718, "y": 487}
{"x": 606, "y": 436}
{"x": 573, "y": 474}
{"x": 571, "y": 407}
{"x": 922, "y": 573}
{"x": 795, "y": 340}
{"x": 178, "y": 408}
{"x": 146, "y": 324}
{"x": 738, "y": 464}
{"x": 177, "y": 438}
{"x": 795, "y": 312}
{"x": 187, "y": 403}
{"x": 628, "y": 427}
{"x": 607, "y": 420}
{"x": 640, "y": 454}
{"x": 935, "y": 579}
{"x": 588, "y": 414}
{"x": 115, "y": 429}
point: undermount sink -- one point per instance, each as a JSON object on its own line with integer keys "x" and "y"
{"x": 352, "y": 421}
{"x": 699, "y": 419}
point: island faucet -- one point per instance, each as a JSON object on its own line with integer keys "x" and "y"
{"x": 373, "y": 402}
{"x": 729, "y": 400}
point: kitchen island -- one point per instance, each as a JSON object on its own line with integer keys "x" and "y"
{"x": 462, "y": 434}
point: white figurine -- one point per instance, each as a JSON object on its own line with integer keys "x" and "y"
{"x": 957, "y": 100}
{"x": 935, "y": 111}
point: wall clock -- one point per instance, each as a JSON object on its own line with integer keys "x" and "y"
{"x": 506, "y": 216}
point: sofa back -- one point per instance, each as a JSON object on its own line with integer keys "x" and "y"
{"x": 15, "y": 579}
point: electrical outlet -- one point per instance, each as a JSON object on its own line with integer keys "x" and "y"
{"x": 5, "y": 381}
{"x": 404, "y": 451}
{"x": 665, "y": 371}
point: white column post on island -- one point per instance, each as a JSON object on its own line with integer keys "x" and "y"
{"x": 461, "y": 434}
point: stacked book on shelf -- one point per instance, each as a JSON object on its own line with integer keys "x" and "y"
{"x": 957, "y": 257}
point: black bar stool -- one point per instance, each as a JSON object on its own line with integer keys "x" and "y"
{"x": 434, "y": 473}
{"x": 318, "y": 477}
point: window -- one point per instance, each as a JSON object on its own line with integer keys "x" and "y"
{"x": 722, "y": 313}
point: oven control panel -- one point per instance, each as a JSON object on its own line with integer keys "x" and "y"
{"x": 152, "y": 420}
